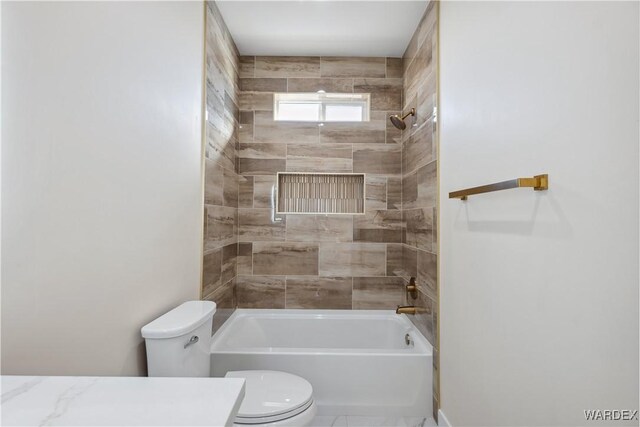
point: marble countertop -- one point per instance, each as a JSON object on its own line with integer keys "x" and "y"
{"x": 119, "y": 401}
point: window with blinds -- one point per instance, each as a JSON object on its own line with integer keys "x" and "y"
{"x": 307, "y": 193}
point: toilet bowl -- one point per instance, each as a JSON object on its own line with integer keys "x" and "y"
{"x": 274, "y": 398}
{"x": 178, "y": 345}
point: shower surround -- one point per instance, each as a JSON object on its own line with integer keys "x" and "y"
{"x": 420, "y": 180}
{"x": 220, "y": 240}
{"x": 255, "y": 258}
{"x": 319, "y": 261}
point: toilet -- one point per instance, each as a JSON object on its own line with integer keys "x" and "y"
{"x": 178, "y": 345}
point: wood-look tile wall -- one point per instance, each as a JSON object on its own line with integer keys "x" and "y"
{"x": 256, "y": 258}
{"x": 221, "y": 178}
{"x": 419, "y": 179}
{"x": 319, "y": 261}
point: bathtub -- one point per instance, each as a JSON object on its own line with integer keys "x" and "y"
{"x": 359, "y": 362}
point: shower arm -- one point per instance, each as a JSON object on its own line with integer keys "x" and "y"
{"x": 410, "y": 113}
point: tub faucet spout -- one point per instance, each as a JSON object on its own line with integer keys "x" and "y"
{"x": 406, "y": 309}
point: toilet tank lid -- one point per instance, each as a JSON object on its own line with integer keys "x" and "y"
{"x": 180, "y": 321}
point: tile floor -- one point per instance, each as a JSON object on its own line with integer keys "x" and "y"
{"x": 355, "y": 421}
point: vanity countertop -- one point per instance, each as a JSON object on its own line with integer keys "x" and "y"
{"x": 120, "y": 401}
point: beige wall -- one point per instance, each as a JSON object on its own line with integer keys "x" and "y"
{"x": 539, "y": 295}
{"x": 101, "y": 179}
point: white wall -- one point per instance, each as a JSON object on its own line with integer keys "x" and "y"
{"x": 539, "y": 291}
{"x": 101, "y": 179}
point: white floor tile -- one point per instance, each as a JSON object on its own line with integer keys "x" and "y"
{"x": 418, "y": 422}
{"x": 429, "y": 422}
{"x": 354, "y": 421}
{"x": 357, "y": 421}
{"x": 329, "y": 421}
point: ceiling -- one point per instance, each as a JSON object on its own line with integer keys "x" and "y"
{"x": 318, "y": 27}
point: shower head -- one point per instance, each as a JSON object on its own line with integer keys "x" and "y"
{"x": 399, "y": 122}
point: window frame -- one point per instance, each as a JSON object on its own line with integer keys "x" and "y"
{"x": 324, "y": 100}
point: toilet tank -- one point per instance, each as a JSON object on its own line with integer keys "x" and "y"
{"x": 178, "y": 342}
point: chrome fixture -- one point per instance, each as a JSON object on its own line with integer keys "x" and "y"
{"x": 194, "y": 339}
{"x": 407, "y": 340}
{"x": 399, "y": 122}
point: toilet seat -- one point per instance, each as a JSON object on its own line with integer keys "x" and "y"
{"x": 272, "y": 396}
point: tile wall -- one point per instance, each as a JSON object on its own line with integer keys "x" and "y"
{"x": 420, "y": 178}
{"x": 319, "y": 261}
{"x": 221, "y": 178}
{"x": 255, "y": 258}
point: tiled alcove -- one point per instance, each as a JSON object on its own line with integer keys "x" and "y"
{"x": 320, "y": 193}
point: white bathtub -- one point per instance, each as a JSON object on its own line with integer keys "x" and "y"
{"x": 357, "y": 361}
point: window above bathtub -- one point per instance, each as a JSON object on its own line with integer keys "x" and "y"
{"x": 321, "y": 107}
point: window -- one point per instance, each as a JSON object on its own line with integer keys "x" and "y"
{"x": 321, "y": 107}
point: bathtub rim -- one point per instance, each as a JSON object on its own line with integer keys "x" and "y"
{"x": 422, "y": 346}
